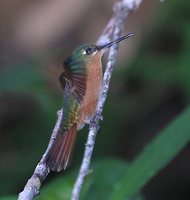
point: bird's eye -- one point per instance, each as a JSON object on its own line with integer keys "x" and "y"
{"x": 88, "y": 50}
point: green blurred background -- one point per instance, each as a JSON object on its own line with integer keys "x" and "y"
{"x": 149, "y": 88}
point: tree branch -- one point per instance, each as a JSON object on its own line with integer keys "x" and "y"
{"x": 32, "y": 187}
{"x": 114, "y": 27}
{"x": 122, "y": 9}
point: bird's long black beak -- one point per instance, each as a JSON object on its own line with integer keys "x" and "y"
{"x": 108, "y": 45}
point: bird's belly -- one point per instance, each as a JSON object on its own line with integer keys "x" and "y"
{"x": 92, "y": 94}
{"x": 90, "y": 101}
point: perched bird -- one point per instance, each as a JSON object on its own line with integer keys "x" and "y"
{"x": 81, "y": 82}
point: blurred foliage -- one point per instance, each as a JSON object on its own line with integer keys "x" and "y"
{"x": 154, "y": 157}
{"x": 8, "y": 198}
{"x": 23, "y": 97}
{"x": 93, "y": 188}
{"x": 143, "y": 99}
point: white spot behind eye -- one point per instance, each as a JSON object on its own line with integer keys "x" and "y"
{"x": 84, "y": 52}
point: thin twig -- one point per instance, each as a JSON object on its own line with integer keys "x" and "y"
{"x": 114, "y": 27}
{"x": 32, "y": 187}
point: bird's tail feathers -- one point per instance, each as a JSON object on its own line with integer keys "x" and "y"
{"x": 59, "y": 155}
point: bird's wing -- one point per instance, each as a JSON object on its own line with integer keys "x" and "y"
{"x": 75, "y": 75}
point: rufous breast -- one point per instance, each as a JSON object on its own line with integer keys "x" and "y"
{"x": 93, "y": 86}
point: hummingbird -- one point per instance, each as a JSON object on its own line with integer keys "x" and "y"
{"x": 81, "y": 82}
